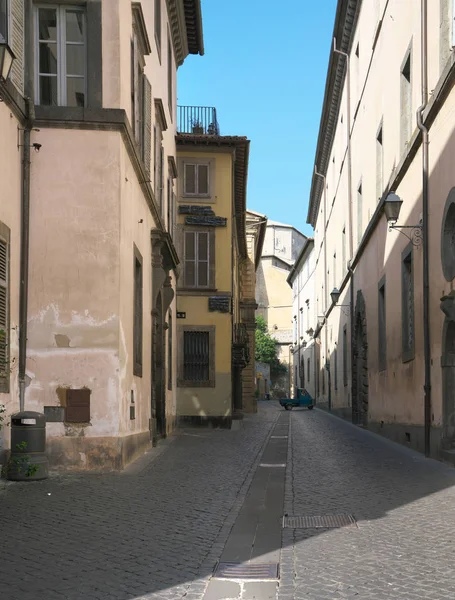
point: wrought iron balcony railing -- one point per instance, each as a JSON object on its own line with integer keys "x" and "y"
{"x": 198, "y": 120}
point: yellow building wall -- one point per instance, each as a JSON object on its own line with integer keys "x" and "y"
{"x": 212, "y": 401}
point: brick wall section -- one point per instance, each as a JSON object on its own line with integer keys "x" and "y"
{"x": 247, "y": 291}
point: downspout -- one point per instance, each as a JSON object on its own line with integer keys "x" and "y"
{"x": 426, "y": 276}
{"x": 325, "y": 281}
{"x": 351, "y": 234}
{"x": 25, "y": 216}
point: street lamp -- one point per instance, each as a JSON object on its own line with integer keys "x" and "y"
{"x": 6, "y": 60}
{"x": 335, "y": 295}
{"x": 392, "y": 208}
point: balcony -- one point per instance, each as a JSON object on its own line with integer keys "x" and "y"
{"x": 197, "y": 120}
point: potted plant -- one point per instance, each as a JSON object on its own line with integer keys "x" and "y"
{"x": 197, "y": 126}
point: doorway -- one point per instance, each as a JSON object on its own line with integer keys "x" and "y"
{"x": 158, "y": 383}
{"x": 360, "y": 366}
{"x": 448, "y": 385}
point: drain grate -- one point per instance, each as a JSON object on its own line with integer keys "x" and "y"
{"x": 315, "y": 522}
{"x": 246, "y": 571}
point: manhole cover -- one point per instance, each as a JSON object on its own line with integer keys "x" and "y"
{"x": 315, "y": 522}
{"x": 246, "y": 571}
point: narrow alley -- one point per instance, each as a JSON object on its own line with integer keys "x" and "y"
{"x": 159, "y": 529}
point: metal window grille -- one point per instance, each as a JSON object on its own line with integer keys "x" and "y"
{"x": 196, "y": 356}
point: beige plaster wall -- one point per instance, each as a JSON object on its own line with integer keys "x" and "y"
{"x": 396, "y": 394}
{"x": 73, "y": 334}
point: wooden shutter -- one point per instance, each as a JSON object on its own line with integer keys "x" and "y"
{"x": 17, "y": 43}
{"x": 189, "y": 179}
{"x": 203, "y": 259}
{"x": 147, "y": 125}
{"x": 137, "y": 319}
{"x": 137, "y": 115}
{"x": 203, "y": 179}
{"x": 161, "y": 177}
{"x": 190, "y": 259}
{"x": 4, "y": 355}
{"x": 3, "y": 21}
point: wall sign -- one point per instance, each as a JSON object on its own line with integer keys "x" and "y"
{"x": 220, "y": 304}
{"x": 181, "y": 315}
{"x": 187, "y": 209}
{"x": 206, "y": 220}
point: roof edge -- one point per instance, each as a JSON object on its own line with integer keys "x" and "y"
{"x": 309, "y": 242}
{"x": 343, "y": 32}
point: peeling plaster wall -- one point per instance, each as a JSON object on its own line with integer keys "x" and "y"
{"x": 10, "y": 207}
{"x": 73, "y": 335}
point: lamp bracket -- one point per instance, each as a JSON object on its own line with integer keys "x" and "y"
{"x": 416, "y": 233}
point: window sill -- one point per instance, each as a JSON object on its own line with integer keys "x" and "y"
{"x": 408, "y": 356}
{"x": 195, "y": 198}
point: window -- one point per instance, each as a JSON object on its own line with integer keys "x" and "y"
{"x": 60, "y": 56}
{"x": 406, "y": 102}
{"x": 407, "y": 318}
{"x": 379, "y": 164}
{"x": 308, "y": 370}
{"x": 137, "y": 316}
{"x": 158, "y": 26}
{"x": 4, "y": 308}
{"x": 170, "y": 73}
{"x": 345, "y": 356}
{"x": 382, "y": 329}
{"x": 169, "y": 352}
{"x": 359, "y": 213}
{"x": 159, "y": 166}
{"x": 196, "y": 179}
{"x": 3, "y": 21}
{"x": 199, "y": 259}
{"x": 334, "y": 270}
{"x": 445, "y": 32}
{"x": 170, "y": 205}
{"x": 302, "y": 372}
{"x": 141, "y": 94}
{"x": 196, "y": 356}
{"x": 335, "y": 373}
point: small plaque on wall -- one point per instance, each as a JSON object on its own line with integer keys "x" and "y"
{"x": 187, "y": 209}
{"x": 181, "y": 315}
{"x": 219, "y": 304}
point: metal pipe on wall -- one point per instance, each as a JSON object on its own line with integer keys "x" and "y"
{"x": 425, "y": 194}
{"x": 25, "y": 208}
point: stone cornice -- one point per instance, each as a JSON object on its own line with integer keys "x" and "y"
{"x": 186, "y": 28}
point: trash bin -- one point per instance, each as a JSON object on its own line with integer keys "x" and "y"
{"x": 28, "y": 445}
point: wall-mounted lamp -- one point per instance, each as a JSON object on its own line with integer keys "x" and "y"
{"x": 6, "y": 61}
{"x": 392, "y": 208}
{"x": 335, "y": 295}
{"x": 310, "y": 331}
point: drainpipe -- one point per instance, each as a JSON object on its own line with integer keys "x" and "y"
{"x": 25, "y": 215}
{"x": 351, "y": 233}
{"x": 352, "y": 321}
{"x": 426, "y": 276}
{"x": 325, "y": 279}
{"x": 348, "y": 136}
{"x": 24, "y": 251}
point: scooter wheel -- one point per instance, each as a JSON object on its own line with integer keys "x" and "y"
{"x": 287, "y": 407}
{"x": 310, "y": 407}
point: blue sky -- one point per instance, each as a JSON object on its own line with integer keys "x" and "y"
{"x": 264, "y": 70}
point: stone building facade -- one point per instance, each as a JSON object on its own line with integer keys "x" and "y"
{"x": 386, "y": 135}
{"x": 93, "y": 91}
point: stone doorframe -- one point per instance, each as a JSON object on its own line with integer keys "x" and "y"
{"x": 448, "y": 382}
{"x": 359, "y": 342}
{"x": 163, "y": 260}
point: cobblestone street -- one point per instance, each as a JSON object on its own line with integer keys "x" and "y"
{"x": 157, "y": 530}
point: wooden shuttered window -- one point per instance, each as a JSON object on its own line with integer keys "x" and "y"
{"x": 199, "y": 260}
{"x": 147, "y": 126}
{"x": 16, "y": 40}
{"x": 4, "y": 321}
{"x": 137, "y": 314}
{"x": 3, "y": 21}
{"x": 196, "y": 179}
{"x": 196, "y": 357}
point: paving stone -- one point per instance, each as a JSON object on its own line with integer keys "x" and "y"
{"x": 404, "y": 505}
{"x": 222, "y": 590}
{"x": 262, "y": 590}
{"x": 145, "y": 533}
